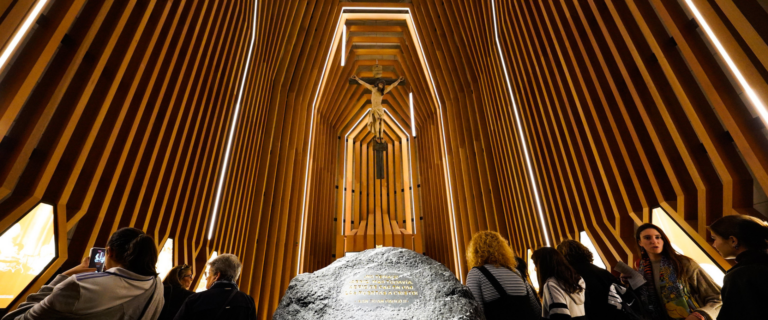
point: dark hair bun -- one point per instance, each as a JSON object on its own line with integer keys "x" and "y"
{"x": 135, "y": 250}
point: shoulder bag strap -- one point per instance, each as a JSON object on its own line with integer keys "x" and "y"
{"x": 495, "y": 283}
{"x": 234, "y": 291}
{"x": 146, "y": 305}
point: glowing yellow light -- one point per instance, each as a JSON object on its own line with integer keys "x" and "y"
{"x": 26, "y": 249}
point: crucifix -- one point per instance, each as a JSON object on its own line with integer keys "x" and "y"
{"x": 376, "y": 116}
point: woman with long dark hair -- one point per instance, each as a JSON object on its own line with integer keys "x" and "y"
{"x": 745, "y": 287}
{"x": 176, "y": 287}
{"x": 676, "y": 287}
{"x": 495, "y": 283}
{"x": 128, "y": 289}
{"x": 562, "y": 289}
{"x": 598, "y": 281}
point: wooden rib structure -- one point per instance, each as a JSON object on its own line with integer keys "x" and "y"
{"x": 117, "y": 113}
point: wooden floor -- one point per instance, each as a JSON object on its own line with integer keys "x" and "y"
{"x": 588, "y": 114}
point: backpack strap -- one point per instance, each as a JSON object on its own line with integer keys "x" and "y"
{"x": 146, "y": 305}
{"x": 495, "y": 283}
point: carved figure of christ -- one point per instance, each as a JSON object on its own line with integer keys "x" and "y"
{"x": 377, "y": 111}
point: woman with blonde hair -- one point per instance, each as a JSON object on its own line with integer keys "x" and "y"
{"x": 494, "y": 281}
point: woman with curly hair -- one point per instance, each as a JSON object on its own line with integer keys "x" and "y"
{"x": 494, "y": 281}
{"x": 562, "y": 289}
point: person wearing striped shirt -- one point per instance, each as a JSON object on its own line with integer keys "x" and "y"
{"x": 562, "y": 289}
{"x": 495, "y": 283}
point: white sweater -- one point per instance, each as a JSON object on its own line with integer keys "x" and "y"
{"x": 559, "y": 304}
{"x": 114, "y": 294}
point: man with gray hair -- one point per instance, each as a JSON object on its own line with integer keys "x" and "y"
{"x": 222, "y": 300}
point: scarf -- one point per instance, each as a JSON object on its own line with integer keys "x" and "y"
{"x": 675, "y": 302}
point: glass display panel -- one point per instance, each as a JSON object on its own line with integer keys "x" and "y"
{"x": 201, "y": 284}
{"x": 165, "y": 259}
{"x": 26, "y": 249}
{"x": 532, "y": 271}
{"x": 683, "y": 243}
{"x": 587, "y": 242}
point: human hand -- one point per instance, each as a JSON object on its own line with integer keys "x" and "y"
{"x": 625, "y": 278}
{"x": 354, "y": 77}
{"x": 81, "y": 268}
{"x": 401, "y": 79}
{"x": 695, "y": 316}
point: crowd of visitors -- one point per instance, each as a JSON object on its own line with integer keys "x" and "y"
{"x": 671, "y": 286}
{"x": 664, "y": 285}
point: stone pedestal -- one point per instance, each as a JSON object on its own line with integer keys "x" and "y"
{"x": 382, "y": 283}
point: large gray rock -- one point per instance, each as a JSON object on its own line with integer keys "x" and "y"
{"x": 383, "y": 283}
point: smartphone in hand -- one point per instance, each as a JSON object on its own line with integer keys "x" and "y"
{"x": 97, "y": 258}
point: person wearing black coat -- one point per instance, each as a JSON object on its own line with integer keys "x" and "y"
{"x": 598, "y": 281}
{"x": 222, "y": 300}
{"x": 176, "y": 290}
{"x": 745, "y": 286}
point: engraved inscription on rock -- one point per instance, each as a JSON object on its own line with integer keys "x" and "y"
{"x": 380, "y": 289}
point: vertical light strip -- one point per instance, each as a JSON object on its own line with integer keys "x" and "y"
{"x": 232, "y": 126}
{"x": 21, "y": 32}
{"x": 309, "y": 150}
{"x": 747, "y": 88}
{"x": 410, "y": 161}
{"x": 344, "y": 45}
{"x": 413, "y": 123}
{"x": 519, "y": 127}
{"x": 344, "y": 189}
{"x": 457, "y": 253}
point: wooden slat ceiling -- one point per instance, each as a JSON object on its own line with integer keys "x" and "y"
{"x": 118, "y": 113}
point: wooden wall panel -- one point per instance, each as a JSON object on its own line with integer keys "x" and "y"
{"x": 115, "y": 113}
{"x": 118, "y": 113}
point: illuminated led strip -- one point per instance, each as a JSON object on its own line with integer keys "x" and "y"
{"x": 21, "y": 32}
{"x": 344, "y": 193}
{"x": 442, "y": 130}
{"x": 413, "y": 123}
{"x": 457, "y": 253}
{"x": 519, "y": 127}
{"x": 344, "y": 45}
{"x": 750, "y": 93}
{"x": 233, "y": 125}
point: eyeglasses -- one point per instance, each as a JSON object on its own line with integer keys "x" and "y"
{"x": 188, "y": 276}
